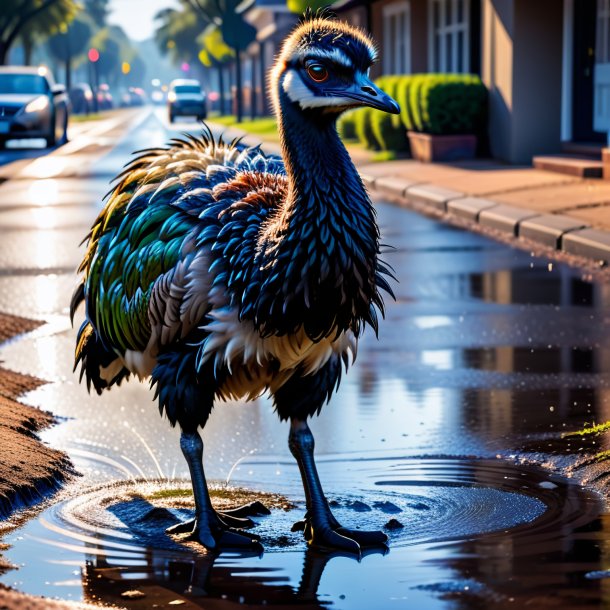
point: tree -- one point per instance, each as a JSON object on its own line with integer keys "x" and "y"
{"x": 97, "y": 10}
{"x": 215, "y": 53}
{"x": 175, "y": 33}
{"x": 299, "y": 6}
{"x": 17, "y": 15}
{"x": 69, "y": 42}
{"x": 114, "y": 47}
{"x": 238, "y": 34}
{"x": 178, "y": 31}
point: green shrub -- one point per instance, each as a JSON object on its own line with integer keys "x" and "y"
{"x": 387, "y": 136}
{"x": 387, "y": 128}
{"x": 346, "y": 126}
{"x": 364, "y": 129}
{"x": 443, "y": 103}
{"x": 431, "y": 103}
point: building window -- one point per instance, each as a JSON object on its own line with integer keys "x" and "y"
{"x": 397, "y": 38}
{"x": 449, "y": 35}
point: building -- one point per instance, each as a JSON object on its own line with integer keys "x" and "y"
{"x": 546, "y": 63}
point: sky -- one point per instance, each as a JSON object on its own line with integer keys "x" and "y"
{"x": 136, "y": 17}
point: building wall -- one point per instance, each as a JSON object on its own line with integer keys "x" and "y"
{"x": 521, "y": 66}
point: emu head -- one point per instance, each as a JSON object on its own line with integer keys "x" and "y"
{"x": 323, "y": 67}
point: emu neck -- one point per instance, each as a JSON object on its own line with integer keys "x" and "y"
{"x": 318, "y": 255}
{"x": 319, "y": 168}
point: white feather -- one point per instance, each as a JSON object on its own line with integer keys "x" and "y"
{"x": 298, "y": 92}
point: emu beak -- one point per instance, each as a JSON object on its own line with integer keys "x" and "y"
{"x": 367, "y": 93}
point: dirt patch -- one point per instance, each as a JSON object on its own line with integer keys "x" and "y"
{"x": 11, "y": 326}
{"x": 29, "y": 469}
{"x": 13, "y": 600}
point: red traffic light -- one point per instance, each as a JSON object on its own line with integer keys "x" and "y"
{"x": 93, "y": 55}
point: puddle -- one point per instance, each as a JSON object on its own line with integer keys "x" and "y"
{"x": 105, "y": 541}
{"x": 487, "y": 351}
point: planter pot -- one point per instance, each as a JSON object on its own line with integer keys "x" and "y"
{"x": 427, "y": 147}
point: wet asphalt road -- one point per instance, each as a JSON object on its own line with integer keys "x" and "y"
{"x": 486, "y": 351}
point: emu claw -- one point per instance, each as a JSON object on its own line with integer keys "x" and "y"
{"x": 254, "y": 509}
{"x": 333, "y": 536}
{"x": 216, "y": 535}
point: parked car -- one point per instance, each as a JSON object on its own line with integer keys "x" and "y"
{"x": 104, "y": 98}
{"x": 185, "y": 98}
{"x": 32, "y": 105}
{"x": 81, "y": 98}
{"x": 134, "y": 96}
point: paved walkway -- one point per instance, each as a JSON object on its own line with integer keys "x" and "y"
{"x": 561, "y": 212}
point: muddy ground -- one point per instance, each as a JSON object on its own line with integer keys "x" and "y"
{"x": 29, "y": 469}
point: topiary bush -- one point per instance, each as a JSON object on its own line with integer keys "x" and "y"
{"x": 364, "y": 129}
{"x": 443, "y": 103}
{"x": 388, "y": 128}
{"x": 346, "y": 126}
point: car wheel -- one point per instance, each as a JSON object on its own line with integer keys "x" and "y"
{"x": 64, "y": 135}
{"x": 2, "y": 144}
{"x": 51, "y": 138}
{"x": 202, "y": 117}
{"x": 172, "y": 116}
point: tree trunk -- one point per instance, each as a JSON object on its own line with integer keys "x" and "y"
{"x": 230, "y": 83}
{"x": 28, "y": 49}
{"x": 253, "y": 89}
{"x": 239, "y": 111}
{"x": 68, "y": 74}
{"x": 221, "y": 87}
{"x": 264, "y": 100}
{"x": 3, "y": 53}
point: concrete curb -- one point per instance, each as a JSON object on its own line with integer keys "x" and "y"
{"x": 557, "y": 231}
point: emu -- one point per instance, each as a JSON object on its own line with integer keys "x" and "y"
{"x": 221, "y": 273}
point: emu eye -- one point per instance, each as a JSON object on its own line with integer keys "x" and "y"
{"x": 317, "y": 72}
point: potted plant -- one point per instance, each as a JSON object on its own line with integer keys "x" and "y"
{"x": 443, "y": 114}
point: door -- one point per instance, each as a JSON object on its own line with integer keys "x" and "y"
{"x": 585, "y": 20}
{"x": 601, "y": 78}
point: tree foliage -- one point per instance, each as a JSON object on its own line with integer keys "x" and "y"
{"x": 71, "y": 40}
{"x": 179, "y": 29}
{"x": 214, "y": 45}
{"x": 98, "y": 11}
{"x": 299, "y": 6}
{"x": 69, "y": 43}
{"x": 43, "y": 16}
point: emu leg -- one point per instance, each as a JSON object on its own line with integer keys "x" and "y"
{"x": 321, "y": 527}
{"x": 208, "y": 526}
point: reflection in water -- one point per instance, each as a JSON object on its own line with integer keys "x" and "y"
{"x": 486, "y": 351}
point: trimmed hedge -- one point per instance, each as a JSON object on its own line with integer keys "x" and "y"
{"x": 431, "y": 103}
{"x": 346, "y": 125}
{"x": 364, "y": 129}
{"x": 387, "y": 128}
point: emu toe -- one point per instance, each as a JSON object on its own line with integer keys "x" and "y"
{"x": 336, "y": 537}
{"x": 215, "y": 533}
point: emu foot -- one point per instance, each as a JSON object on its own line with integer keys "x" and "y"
{"x": 327, "y": 533}
{"x": 215, "y": 534}
{"x": 234, "y": 518}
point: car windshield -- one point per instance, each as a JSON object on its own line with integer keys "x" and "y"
{"x": 187, "y": 89}
{"x": 23, "y": 83}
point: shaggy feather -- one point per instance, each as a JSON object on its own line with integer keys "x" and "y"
{"x": 221, "y": 272}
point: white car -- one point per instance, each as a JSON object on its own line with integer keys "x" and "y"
{"x": 185, "y": 98}
{"x": 32, "y": 105}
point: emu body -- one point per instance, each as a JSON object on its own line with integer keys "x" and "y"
{"x": 224, "y": 273}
